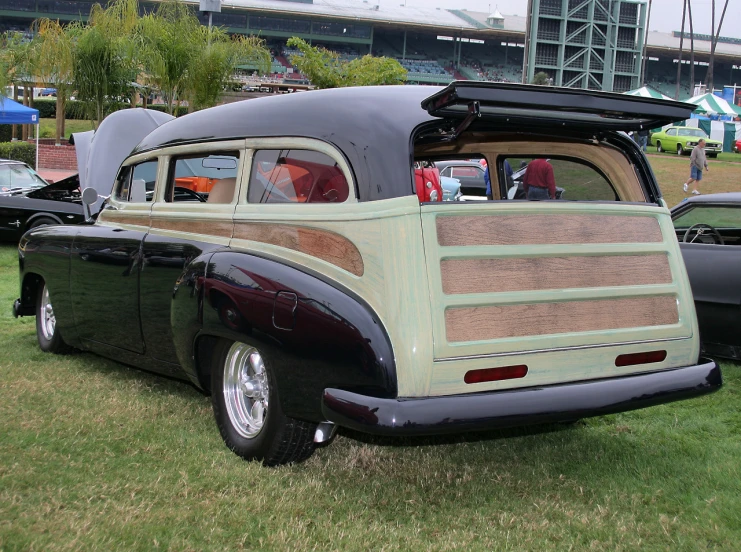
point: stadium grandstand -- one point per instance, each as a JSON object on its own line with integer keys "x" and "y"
{"x": 435, "y": 45}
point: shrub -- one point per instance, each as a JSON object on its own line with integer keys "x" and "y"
{"x": 19, "y": 151}
{"x": 48, "y": 109}
{"x": 6, "y": 133}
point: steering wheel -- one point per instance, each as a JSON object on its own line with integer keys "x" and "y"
{"x": 189, "y": 192}
{"x": 702, "y": 229}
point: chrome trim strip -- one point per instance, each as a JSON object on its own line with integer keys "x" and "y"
{"x": 559, "y": 349}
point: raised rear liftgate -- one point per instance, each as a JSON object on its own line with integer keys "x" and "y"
{"x": 562, "y": 288}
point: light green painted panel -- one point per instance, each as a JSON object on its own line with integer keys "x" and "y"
{"x": 585, "y": 355}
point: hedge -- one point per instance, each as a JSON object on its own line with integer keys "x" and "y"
{"x": 20, "y": 151}
{"x": 76, "y": 110}
{"x": 6, "y": 133}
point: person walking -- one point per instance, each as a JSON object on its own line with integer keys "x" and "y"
{"x": 642, "y": 139}
{"x": 698, "y": 161}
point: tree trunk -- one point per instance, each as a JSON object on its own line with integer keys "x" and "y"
{"x": 692, "y": 49}
{"x": 681, "y": 45}
{"x": 714, "y": 42}
{"x": 134, "y": 99}
{"x": 145, "y": 100}
{"x": 27, "y": 103}
{"x": 15, "y": 99}
{"x": 61, "y": 100}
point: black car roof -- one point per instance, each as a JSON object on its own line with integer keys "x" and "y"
{"x": 366, "y": 123}
{"x": 373, "y": 126}
{"x": 725, "y": 198}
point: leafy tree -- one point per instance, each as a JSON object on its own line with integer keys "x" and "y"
{"x": 105, "y": 60}
{"x": 325, "y": 69}
{"x": 170, "y": 40}
{"x": 54, "y": 62}
{"x": 541, "y": 78}
{"x": 16, "y": 54}
{"x": 215, "y": 62}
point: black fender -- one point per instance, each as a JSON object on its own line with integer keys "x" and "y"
{"x": 313, "y": 333}
{"x": 44, "y": 254}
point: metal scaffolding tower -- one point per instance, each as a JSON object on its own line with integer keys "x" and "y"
{"x": 594, "y": 44}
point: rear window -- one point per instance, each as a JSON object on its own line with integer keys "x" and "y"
{"x": 296, "y": 176}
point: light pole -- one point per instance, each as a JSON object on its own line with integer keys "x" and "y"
{"x": 210, "y": 7}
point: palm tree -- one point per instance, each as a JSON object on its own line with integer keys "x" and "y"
{"x": 681, "y": 45}
{"x": 714, "y": 35}
{"x": 105, "y": 60}
{"x": 168, "y": 43}
{"x": 17, "y": 54}
{"x": 54, "y": 63}
{"x": 692, "y": 49}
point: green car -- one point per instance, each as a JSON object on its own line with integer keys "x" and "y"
{"x": 683, "y": 139}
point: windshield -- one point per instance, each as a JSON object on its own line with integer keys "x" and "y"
{"x": 692, "y": 132}
{"x": 15, "y": 177}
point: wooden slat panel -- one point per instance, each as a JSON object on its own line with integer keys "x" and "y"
{"x": 115, "y": 218}
{"x": 499, "y": 322}
{"x": 534, "y": 273}
{"x": 325, "y": 245}
{"x": 545, "y": 229}
{"x": 205, "y": 227}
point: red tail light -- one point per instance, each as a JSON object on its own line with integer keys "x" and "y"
{"x": 640, "y": 358}
{"x": 496, "y": 374}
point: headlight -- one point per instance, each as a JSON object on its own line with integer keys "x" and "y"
{"x": 691, "y": 143}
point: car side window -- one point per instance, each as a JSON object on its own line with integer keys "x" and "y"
{"x": 296, "y": 176}
{"x": 671, "y": 132}
{"x": 562, "y": 178}
{"x": 135, "y": 183}
{"x": 203, "y": 178}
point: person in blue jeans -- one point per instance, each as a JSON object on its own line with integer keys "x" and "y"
{"x": 487, "y": 178}
{"x": 698, "y": 161}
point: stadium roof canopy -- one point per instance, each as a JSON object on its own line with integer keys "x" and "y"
{"x": 462, "y": 21}
{"x": 375, "y": 11}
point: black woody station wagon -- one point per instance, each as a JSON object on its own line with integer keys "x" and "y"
{"x": 283, "y": 255}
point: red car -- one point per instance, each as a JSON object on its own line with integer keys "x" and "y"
{"x": 737, "y": 146}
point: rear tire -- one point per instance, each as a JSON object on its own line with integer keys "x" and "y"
{"x": 47, "y": 333}
{"x": 244, "y": 396}
{"x": 712, "y": 155}
{"x": 659, "y": 148}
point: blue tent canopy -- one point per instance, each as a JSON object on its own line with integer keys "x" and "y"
{"x": 13, "y": 113}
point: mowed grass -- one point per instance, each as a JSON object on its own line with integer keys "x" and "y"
{"x": 48, "y": 127}
{"x": 98, "y": 456}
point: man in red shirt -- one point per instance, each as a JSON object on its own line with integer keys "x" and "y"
{"x": 539, "y": 181}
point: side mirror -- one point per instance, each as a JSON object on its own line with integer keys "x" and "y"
{"x": 89, "y": 197}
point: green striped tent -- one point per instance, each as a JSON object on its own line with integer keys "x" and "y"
{"x": 647, "y": 92}
{"x": 710, "y": 103}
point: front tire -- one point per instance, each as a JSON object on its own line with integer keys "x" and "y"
{"x": 247, "y": 409}
{"x": 47, "y": 333}
{"x": 680, "y": 149}
{"x": 42, "y": 221}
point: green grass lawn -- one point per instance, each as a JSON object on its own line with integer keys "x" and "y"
{"x": 48, "y": 127}
{"x": 98, "y": 456}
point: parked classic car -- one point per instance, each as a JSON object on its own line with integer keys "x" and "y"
{"x": 737, "y": 146}
{"x": 682, "y": 139}
{"x": 470, "y": 174}
{"x": 28, "y": 201}
{"x": 310, "y": 288}
{"x": 709, "y": 231}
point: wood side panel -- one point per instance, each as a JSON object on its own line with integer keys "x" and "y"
{"x": 141, "y": 220}
{"x": 534, "y": 273}
{"x": 534, "y": 229}
{"x": 499, "y": 322}
{"x": 205, "y": 227}
{"x": 325, "y": 245}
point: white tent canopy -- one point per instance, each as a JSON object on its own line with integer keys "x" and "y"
{"x": 710, "y": 103}
{"x": 647, "y": 92}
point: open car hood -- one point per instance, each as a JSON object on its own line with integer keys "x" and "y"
{"x": 548, "y": 106}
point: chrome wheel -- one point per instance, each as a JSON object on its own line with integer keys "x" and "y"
{"x": 48, "y": 320}
{"x": 246, "y": 391}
